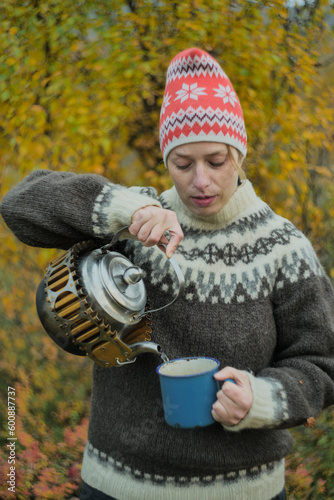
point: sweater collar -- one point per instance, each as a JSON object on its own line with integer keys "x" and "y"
{"x": 242, "y": 200}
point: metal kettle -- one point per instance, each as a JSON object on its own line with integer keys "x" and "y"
{"x": 92, "y": 301}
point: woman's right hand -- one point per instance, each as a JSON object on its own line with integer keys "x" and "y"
{"x": 149, "y": 225}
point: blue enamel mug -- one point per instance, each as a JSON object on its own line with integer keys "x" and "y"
{"x": 188, "y": 390}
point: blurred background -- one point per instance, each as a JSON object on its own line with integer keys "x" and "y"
{"x": 81, "y": 85}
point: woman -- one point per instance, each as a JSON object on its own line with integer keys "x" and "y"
{"x": 256, "y": 298}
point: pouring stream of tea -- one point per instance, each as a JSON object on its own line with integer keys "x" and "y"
{"x": 164, "y": 357}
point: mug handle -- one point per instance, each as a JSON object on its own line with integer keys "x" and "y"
{"x": 229, "y": 380}
{"x": 220, "y": 383}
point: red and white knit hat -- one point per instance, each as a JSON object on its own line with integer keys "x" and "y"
{"x": 199, "y": 104}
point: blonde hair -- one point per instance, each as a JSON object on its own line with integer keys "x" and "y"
{"x": 236, "y": 158}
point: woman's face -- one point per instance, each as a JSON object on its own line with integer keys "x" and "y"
{"x": 204, "y": 176}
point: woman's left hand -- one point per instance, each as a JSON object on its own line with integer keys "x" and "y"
{"x": 233, "y": 400}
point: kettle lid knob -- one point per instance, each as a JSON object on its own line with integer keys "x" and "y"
{"x": 132, "y": 275}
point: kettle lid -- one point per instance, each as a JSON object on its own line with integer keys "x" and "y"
{"x": 114, "y": 282}
{"x": 123, "y": 281}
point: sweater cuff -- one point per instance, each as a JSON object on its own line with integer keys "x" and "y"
{"x": 269, "y": 408}
{"x": 115, "y": 205}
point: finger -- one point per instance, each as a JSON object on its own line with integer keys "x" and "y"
{"x": 141, "y": 217}
{"x": 227, "y": 397}
{"x": 136, "y": 223}
{"x": 155, "y": 234}
{"x": 236, "y": 399}
{"x": 219, "y": 412}
{"x": 151, "y": 232}
{"x": 173, "y": 243}
{"x": 217, "y": 417}
{"x": 223, "y": 414}
{"x": 149, "y": 225}
{"x": 227, "y": 373}
{"x": 228, "y": 412}
{"x": 226, "y": 417}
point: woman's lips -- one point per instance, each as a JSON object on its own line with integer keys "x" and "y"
{"x": 203, "y": 201}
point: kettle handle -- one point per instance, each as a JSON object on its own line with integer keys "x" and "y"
{"x": 174, "y": 264}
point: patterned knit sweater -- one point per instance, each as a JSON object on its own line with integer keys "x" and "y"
{"x": 256, "y": 298}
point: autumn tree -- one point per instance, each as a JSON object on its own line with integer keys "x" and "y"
{"x": 82, "y": 85}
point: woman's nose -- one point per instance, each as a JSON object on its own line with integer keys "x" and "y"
{"x": 201, "y": 177}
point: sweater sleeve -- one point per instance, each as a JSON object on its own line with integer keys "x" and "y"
{"x": 58, "y": 209}
{"x": 300, "y": 382}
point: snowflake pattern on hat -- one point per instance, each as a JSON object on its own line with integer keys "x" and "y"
{"x": 190, "y": 91}
{"x": 165, "y": 103}
{"x": 215, "y": 114}
{"x": 227, "y": 94}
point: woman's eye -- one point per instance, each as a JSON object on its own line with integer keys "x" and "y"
{"x": 218, "y": 164}
{"x": 182, "y": 167}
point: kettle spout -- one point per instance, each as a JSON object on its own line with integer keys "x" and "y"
{"x": 142, "y": 347}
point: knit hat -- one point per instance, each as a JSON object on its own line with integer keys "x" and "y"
{"x": 199, "y": 104}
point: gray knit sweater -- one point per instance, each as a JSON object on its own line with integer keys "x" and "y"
{"x": 256, "y": 298}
